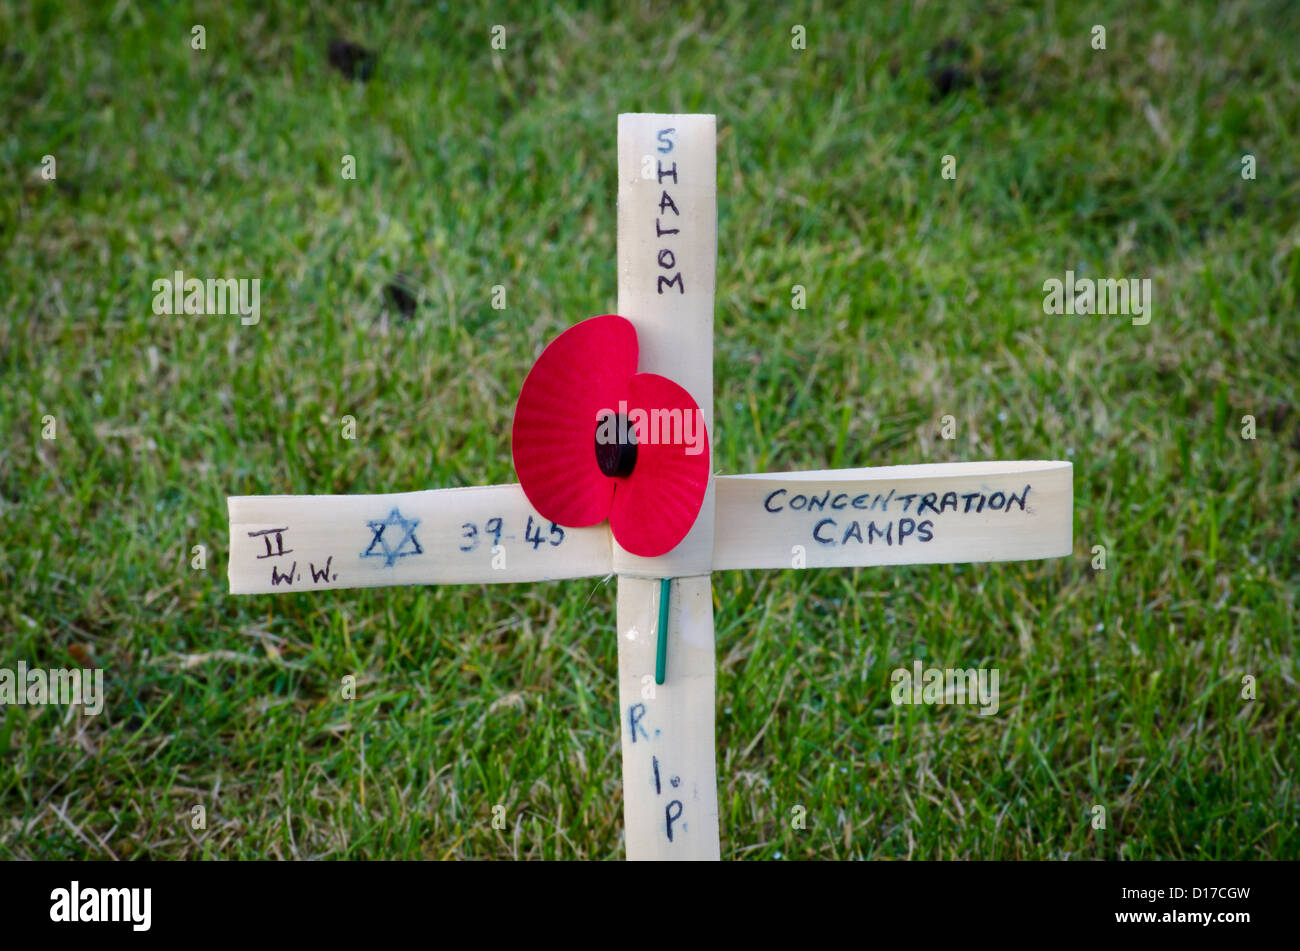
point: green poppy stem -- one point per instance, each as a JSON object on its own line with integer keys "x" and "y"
{"x": 661, "y": 652}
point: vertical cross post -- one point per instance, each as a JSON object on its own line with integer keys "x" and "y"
{"x": 667, "y": 258}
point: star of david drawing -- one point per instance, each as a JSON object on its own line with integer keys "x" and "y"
{"x": 391, "y": 553}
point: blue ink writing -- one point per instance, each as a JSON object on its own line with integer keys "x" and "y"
{"x": 670, "y": 817}
{"x": 394, "y": 528}
{"x": 832, "y": 532}
{"x": 496, "y": 527}
{"x": 634, "y": 715}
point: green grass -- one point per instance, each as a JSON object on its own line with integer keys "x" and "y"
{"x": 1120, "y": 688}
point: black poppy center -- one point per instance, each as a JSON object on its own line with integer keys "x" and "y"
{"x": 615, "y": 445}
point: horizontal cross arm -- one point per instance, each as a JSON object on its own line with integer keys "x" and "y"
{"x": 895, "y": 515}
{"x": 890, "y": 515}
{"x": 485, "y": 534}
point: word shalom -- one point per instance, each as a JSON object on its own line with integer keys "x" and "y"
{"x": 667, "y": 258}
{"x": 215, "y": 296}
{"x": 1107, "y": 297}
{"x": 909, "y": 526}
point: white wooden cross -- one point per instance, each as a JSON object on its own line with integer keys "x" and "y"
{"x": 895, "y": 515}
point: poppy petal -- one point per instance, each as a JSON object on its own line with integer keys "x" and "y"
{"x": 655, "y": 507}
{"x": 583, "y": 371}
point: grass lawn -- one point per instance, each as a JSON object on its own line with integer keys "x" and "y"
{"x": 1121, "y": 688}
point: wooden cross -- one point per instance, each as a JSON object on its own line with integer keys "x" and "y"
{"x": 895, "y": 515}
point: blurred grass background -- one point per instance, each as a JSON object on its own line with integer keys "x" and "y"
{"x": 1120, "y": 688}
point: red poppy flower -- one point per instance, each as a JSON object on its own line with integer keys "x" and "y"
{"x": 593, "y": 439}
